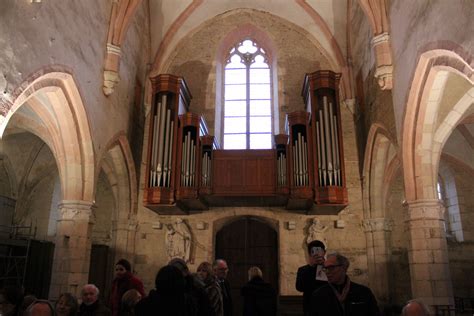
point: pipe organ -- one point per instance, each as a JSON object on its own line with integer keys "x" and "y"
{"x": 186, "y": 171}
{"x": 170, "y": 99}
{"x": 281, "y": 142}
{"x": 320, "y": 92}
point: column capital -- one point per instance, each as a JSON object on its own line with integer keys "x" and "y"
{"x": 75, "y": 209}
{"x": 377, "y": 224}
{"x": 425, "y": 209}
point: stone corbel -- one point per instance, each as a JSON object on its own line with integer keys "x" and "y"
{"x": 383, "y": 57}
{"x": 376, "y": 13}
{"x": 111, "y": 71}
{"x": 122, "y": 13}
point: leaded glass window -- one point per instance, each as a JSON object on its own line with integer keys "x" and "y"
{"x": 247, "y": 98}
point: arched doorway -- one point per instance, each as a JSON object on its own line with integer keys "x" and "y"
{"x": 244, "y": 243}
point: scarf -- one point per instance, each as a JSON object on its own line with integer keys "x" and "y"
{"x": 342, "y": 296}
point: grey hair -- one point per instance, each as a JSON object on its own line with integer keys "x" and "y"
{"x": 93, "y": 286}
{"x": 343, "y": 261}
{"x": 426, "y": 310}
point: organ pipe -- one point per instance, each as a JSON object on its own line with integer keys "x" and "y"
{"x": 321, "y": 95}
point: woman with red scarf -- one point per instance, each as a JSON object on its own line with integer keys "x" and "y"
{"x": 124, "y": 281}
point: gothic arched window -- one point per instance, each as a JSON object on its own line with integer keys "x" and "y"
{"x": 247, "y": 98}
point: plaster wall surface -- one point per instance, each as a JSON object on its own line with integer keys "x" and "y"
{"x": 419, "y": 26}
{"x": 72, "y": 36}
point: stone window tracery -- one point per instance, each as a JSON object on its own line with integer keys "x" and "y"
{"x": 247, "y": 98}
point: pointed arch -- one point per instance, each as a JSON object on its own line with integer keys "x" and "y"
{"x": 117, "y": 162}
{"x": 425, "y": 130}
{"x": 380, "y": 165}
{"x": 51, "y": 97}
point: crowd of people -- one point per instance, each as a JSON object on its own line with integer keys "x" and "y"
{"x": 326, "y": 287}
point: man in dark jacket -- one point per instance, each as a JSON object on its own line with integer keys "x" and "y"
{"x": 311, "y": 277}
{"x": 91, "y": 305}
{"x": 259, "y": 296}
{"x": 220, "y": 270}
{"x": 340, "y": 296}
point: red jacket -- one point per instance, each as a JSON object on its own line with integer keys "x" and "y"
{"x": 122, "y": 285}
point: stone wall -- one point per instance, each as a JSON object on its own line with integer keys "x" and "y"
{"x": 296, "y": 54}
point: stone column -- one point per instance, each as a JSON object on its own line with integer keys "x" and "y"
{"x": 72, "y": 247}
{"x": 428, "y": 253}
{"x": 124, "y": 231}
{"x": 377, "y": 232}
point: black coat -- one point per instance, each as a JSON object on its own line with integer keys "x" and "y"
{"x": 359, "y": 302}
{"x": 306, "y": 282}
{"x": 226, "y": 297}
{"x": 165, "y": 305}
{"x": 195, "y": 289}
{"x": 95, "y": 309}
{"x": 259, "y": 298}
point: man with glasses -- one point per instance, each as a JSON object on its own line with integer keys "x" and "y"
{"x": 340, "y": 296}
{"x": 311, "y": 277}
{"x": 220, "y": 270}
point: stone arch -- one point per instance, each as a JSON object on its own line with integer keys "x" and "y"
{"x": 52, "y": 97}
{"x": 380, "y": 165}
{"x": 237, "y": 34}
{"x": 116, "y": 162}
{"x": 424, "y": 129}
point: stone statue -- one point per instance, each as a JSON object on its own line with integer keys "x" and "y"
{"x": 178, "y": 240}
{"x": 316, "y": 232}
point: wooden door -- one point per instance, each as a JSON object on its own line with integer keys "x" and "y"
{"x": 245, "y": 243}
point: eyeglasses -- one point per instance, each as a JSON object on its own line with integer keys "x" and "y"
{"x": 331, "y": 268}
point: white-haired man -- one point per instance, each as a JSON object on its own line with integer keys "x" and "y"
{"x": 91, "y": 305}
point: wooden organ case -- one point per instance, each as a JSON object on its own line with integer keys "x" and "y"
{"x": 321, "y": 96}
{"x": 304, "y": 172}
